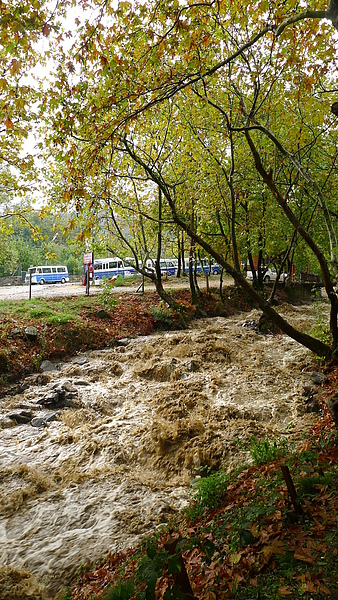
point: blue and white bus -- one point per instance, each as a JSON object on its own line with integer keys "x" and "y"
{"x": 214, "y": 270}
{"x": 107, "y": 268}
{"x": 47, "y": 274}
{"x": 167, "y": 265}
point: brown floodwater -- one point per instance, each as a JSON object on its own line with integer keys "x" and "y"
{"x": 118, "y": 464}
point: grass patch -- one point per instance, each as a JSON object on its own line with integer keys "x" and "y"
{"x": 121, "y": 590}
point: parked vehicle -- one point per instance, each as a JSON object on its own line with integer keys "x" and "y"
{"x": 269, "y": 275}
{"x": 47, "y": 274}
{"x": 204, "y": 266}
{"x": 167, "y": 265}
{"x": 215, "y": 268}
{"x": 107, "y": 268}
{"x": 129, "y": 268}
{"x": 186, "y": 266}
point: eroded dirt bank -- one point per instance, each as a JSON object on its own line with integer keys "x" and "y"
{"x": 118, "y": 463}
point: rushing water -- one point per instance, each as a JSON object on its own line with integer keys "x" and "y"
{"x": 118, "y": 463}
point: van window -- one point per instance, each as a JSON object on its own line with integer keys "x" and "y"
{"x": 61, "y": 269}
{"x": 46, "y": 270}
{"x": 54, "y": 269}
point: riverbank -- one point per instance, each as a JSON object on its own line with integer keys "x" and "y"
{"x": 32, "y": 331}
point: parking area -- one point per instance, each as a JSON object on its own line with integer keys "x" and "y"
{"x": 21, "y": 292}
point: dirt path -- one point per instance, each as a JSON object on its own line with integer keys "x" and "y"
{"x": 20, "y": 292}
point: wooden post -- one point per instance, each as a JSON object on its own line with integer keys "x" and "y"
{"x": 291, "y": 489}
{"x": 87, "y": 281}
{"x": 30, "y": 284}
{"x": 181, "y": 578}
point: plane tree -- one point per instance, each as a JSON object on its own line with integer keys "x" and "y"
{"x": 124, "y": 67}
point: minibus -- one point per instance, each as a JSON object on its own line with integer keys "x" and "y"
{"x": 47, "y": 274}
{"x": 106, "y": 268}
{"x": 167, "y": 265}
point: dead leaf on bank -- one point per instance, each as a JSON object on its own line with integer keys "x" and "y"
{"x": 304, "y": 558}
{"x": 235, "y": 558}
{"x": 285, "y": 590}
{"x": 210, "y": 595}
{"x": 276, "y": 547}
{"x": 236, "y": 580}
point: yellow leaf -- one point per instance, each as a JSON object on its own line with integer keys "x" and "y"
{"x": 307, "y": 559}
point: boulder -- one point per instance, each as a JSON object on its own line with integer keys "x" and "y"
{"x": 80, "y": 361}
{"x": 122, "y": 342}
{"x": 43, "y": 420}
{"x": 317, "y": 377}
{"x": 21, "y": 416}
{"x": 102, "y": 314}
{"x": 332, "y": 404}
{"x": 46, "y": 365}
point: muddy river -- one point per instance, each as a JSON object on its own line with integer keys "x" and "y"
{"x": 123, "y": 431}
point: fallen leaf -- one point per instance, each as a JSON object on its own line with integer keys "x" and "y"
{"x": 324, "y": 589}
{"x": 304, "y": 558}
{"x": 235, "y": 558}
{"x": 310, "y": 587}
{"x": 285, "y": 590}
{"x": 210, "y": 595}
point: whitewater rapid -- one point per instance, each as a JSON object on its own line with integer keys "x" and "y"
{"x": 144, "y": 415}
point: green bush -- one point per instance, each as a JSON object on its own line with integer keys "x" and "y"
{"x": 59, "y": 319}
{"x": 120, "y": 281}
{"x": 208, "y": 492}
{"x": 264, "y": 451}
{"x": 105, "y": 294}
{"x": 161, "y": 313}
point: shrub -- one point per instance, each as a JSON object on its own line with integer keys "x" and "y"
{"x": 264, "y": 451}
{"x": 161, "y": 313}
{"x": 105, "y": 294}
{"x": 208, "y": 492}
